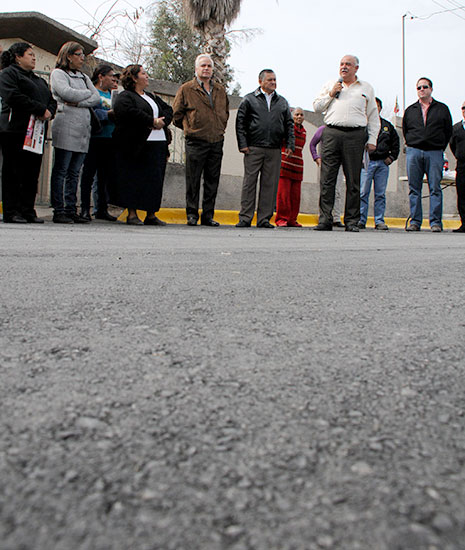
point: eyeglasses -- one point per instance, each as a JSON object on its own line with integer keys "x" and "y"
{"x": 422, "y": 87}
{"x": 79, "y": 54}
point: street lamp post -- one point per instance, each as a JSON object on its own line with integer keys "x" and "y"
{"x": 403, "y": 62}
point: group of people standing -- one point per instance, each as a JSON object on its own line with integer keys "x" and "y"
{"x": 123, "y": 145}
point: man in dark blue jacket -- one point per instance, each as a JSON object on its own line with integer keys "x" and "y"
{"x": 457, "y": 145}
{"x": 377, "y": 171}
{"x": 263, "y": 125}
{"x": 427, "y": 127}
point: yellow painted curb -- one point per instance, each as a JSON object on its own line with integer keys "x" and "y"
{"x": 231, "y": 217}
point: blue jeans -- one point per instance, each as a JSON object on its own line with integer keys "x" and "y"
{"x": 64, "y": 180}
{"x": 420, "y": 163}
{"x": 378, "y": 172}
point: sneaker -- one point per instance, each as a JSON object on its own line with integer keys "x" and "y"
{"x": 381, "y": 227}
{"x": 85, "y": 214}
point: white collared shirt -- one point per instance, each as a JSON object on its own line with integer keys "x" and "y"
{"x": 355, "y": 107}
{"x": 268, "y": 97}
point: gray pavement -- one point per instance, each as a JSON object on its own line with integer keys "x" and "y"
{"x": 198, "y": 389}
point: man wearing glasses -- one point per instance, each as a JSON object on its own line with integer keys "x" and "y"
{"x": 457, "y": 145}
{"x": 427, "y": 128}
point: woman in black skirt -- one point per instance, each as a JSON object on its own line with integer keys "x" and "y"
{"x": 141, "y": 121}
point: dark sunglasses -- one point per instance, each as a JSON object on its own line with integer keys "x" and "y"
{"x": 422, "y": 87}
{"x": 463, "y": 108}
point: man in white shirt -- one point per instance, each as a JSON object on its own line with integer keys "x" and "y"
{"x": 352, "y": 124}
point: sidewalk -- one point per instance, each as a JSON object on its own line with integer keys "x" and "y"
{"x": 231, "y": 217}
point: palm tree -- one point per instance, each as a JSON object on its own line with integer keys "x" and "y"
{"x": 210, "y": 17}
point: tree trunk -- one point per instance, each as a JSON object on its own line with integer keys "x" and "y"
{"x": 215, "y": 45}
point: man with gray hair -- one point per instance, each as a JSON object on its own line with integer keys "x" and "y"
{"x": 201, "y": 109}
{"x": 352, "y": 125}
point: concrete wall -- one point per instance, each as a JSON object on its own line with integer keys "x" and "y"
{"x": 229, "y": 193}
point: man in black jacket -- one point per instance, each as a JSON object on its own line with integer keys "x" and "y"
{"x": 377, "y": 171}
{"x": 263, "y": 125}
{"x": 427, "y": 127}
{"x": 457, "y": 145}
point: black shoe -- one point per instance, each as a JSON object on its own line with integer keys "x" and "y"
{"x": 16, "y": 218}
{"x": 361, "y": 225}
{"x": 62, "y": 218}
{"x": 105, "y": 216}
{"x": 134, "y": 220}
{"x": 211, "y": 222}
{"x": 78, "y": 219}
{"x": 266, "y": 225}
{"x": 243, "y": 223}
{"x": 323, "y": 227}
{"x": 338, "y": 224}
{"x": 33, "y": 219}
{"x": 352, "y": 228}
{"x": 154, "y": 221}
{"x": 85, "y": 214}
{"x": 192, "y": 220}
{"x": 460, "y": 229}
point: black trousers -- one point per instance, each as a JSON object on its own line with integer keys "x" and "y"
{"x": 460, "y": 186}
{"x": 341, "y": 146}
{"x": 20, "y": 176}
{"x": 202, "y": 157}
{"x": 99, "y": 160}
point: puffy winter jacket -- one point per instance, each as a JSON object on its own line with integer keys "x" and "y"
{"x": 260, "y": 127}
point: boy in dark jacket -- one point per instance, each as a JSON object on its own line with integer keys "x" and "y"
{"x": 387, "y": 151}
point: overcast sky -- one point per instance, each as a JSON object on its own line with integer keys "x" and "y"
{"x": 303, "y": 42}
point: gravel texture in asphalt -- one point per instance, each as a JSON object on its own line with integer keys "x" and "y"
{"x": 177, "y": 388}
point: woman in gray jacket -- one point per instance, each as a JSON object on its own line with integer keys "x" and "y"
{"x": 75, "y": 95}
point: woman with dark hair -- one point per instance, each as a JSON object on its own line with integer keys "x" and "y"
{"x": 141, "y": 120}
{"x": 71, "y": 129}
{"x": 100, "y": 159}
{"x": 23, "y": 94}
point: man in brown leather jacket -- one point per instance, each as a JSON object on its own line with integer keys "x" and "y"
{"x": 201, "y": 109}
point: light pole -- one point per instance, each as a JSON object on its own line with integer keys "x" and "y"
{"x": 403, "y": 62}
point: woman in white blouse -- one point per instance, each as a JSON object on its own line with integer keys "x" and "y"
{"x": 141, "y": 121}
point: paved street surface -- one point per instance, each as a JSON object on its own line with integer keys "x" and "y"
{"x": 187, "y": 388}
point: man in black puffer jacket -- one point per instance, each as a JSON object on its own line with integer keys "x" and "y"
{"x": 427, "y": 127}
{"x": 263, "y": 124}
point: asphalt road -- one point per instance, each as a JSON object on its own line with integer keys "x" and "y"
{"x": 187, "y": 388}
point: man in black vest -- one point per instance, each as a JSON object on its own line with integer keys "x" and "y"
{"x": 457, "y": 145}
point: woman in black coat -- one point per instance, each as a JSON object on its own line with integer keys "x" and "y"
{"x": 141, "y": 121}
{"x": 22, "y": 94}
